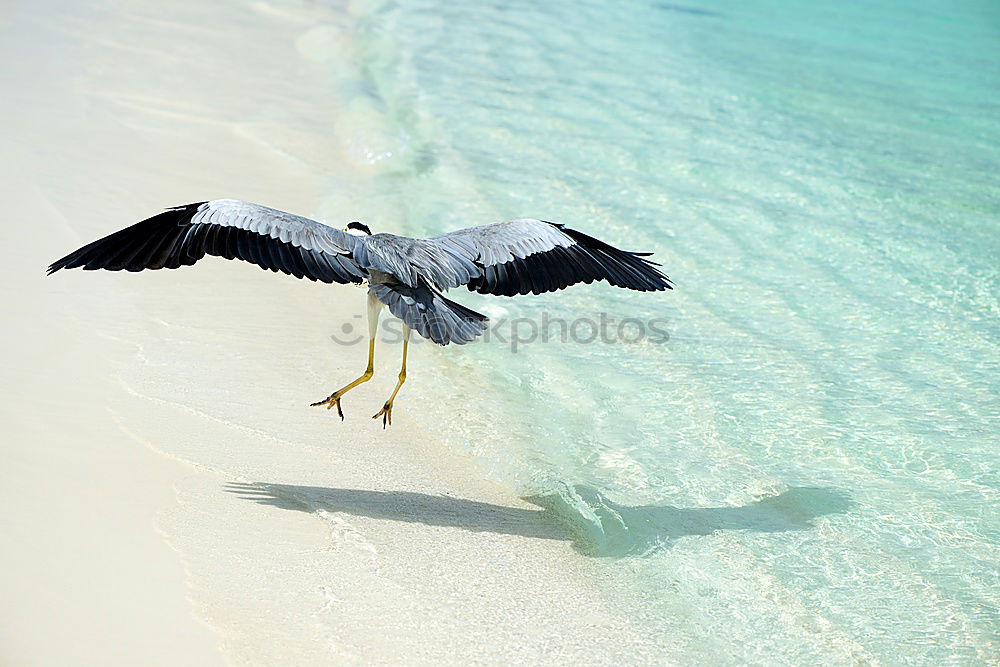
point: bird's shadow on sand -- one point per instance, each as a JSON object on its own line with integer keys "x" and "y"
{"x": 596, "y": 525}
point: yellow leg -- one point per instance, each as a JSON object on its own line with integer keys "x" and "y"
{"x": 374, "y": 309}
{"x": 334, "y": 398}
{"x": 386, "y": 412}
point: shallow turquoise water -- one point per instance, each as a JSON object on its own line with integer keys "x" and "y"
{"x": 808, "y": 469}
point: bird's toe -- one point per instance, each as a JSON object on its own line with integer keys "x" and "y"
{"x": 333, "y": 400}
{"x": 386, "y": 414}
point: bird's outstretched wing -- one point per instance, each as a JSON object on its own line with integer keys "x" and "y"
{"x": 522, "y": 256}
{"x": 227, "y": 228}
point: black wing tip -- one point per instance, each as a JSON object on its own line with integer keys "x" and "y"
{"x": 95, "y": 255}
{"x": 652, "y": 272}
{"x": 631, "y": 270}
{"x": 67, "y": 262}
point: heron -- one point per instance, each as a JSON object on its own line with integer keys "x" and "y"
{"x": 409, "y": 276}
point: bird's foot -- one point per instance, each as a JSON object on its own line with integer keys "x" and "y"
{"x": 334, "y": 398}
{"x": 385, "y": 413}
{"x": 331, "y": 401}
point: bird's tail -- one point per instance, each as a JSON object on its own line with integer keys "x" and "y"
{"x": 430, "y": 314}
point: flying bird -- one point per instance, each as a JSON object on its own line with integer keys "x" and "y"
{"x": 409, "y": 276}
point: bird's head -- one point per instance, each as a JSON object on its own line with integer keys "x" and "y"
{"x": 357, "y": 229}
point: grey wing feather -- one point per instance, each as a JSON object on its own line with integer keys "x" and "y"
{"x": 533, "y": 256}
{"x": 228, "y": 228}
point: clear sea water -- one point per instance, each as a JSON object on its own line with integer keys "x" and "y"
{"x": 808, "y": 470}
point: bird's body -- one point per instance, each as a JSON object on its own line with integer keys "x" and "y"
{"x": 407, "y": 275}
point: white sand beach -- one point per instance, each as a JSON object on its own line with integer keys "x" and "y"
{"x": 168, "y": 495}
